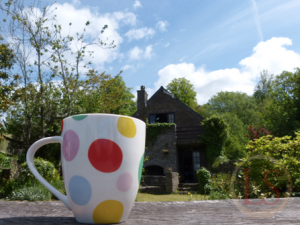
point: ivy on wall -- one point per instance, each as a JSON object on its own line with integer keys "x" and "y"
{"x": 153, "y": 130}
{"x": 216, "y": 133}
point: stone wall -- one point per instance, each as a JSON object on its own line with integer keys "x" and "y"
{"x": 172, "y": 181}
{"x": 153, "y": 180}
{"x": 166, "y": 140}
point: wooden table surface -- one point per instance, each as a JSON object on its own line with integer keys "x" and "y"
{"x": 144, "y": 213}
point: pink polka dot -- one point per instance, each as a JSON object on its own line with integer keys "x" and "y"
{"x": 124, "y": 182}
{"x": 70, "y": 145}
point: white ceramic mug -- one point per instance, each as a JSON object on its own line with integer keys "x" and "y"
{"x": 102, "y": 159}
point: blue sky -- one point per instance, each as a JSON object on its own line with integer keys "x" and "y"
{"x": 217, "y": 45}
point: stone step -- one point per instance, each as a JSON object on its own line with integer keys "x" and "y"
{"x": 152, "y": 189}
{"x": 188, "y": 184}
{"x": 187, "y": 188}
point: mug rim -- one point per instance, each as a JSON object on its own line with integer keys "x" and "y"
{"x": 103, "y": 114}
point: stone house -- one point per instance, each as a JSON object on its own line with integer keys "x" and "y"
{"x": 179, "y": 147}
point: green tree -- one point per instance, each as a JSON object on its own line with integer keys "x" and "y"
{"x": 101, "y": 93}
{"x": 184, "y": 91}
{"x": 264, "y": 87}
{"x": 8, "y": 81}
{"x": 282, "y": 112}
{"x": 49, "y": 83}
{"x": 238, "y": 103}
{"x": 235, "y": 144}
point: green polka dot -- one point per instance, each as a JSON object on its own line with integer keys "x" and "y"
{"x": 141, "y": 168}
{"x": 79, "y": 117}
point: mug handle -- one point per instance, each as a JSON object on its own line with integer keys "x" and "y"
{"x": 29, "y": 158}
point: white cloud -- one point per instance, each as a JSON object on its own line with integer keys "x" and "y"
{"x": 126, "y": 67}
{"x": 148, "y": 52}
{"x": 137, "y": 4}
{"x": 166, "y": 45}
{"x": 140, "y": 33}
{"x": 161, "y": 25}
{"x": 136, "y": 53}
{"x": 67, "y": 13}
{"x": 271, "y": 55}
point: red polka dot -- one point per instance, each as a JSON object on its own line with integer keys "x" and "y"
{"x": 105, "y": 155}
{"x": 62, "y": 126}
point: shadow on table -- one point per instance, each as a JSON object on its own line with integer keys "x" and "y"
{"x": 43, "y": 220}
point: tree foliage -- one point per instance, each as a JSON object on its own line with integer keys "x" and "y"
{"x": 56, "y": 78}
{"x": 101, "y": 93}
{"x": 261, "y": 131}
{"x": 184, "y": 91}
{"x": 8, "y": 81}
{"x": 238, "y": 103}
{"x": 214, "y": 137}
{"x": 263, "y": 88}
{"x": 238, "y": 110}
{"x": 285, "y": 150}
{"x": 50, "y": 79}
{"x": 281, "y": 112}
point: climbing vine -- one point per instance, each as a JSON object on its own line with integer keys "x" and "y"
{"x": 152, "y": 130}
{"x": 216, "y": 133}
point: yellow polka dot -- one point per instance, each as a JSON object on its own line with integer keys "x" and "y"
{"x": 126, "y": 127}
{"x": 109, "y": 211}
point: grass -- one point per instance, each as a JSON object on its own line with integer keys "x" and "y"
{"x": 33, "y": 191}
{"x": 144, "y": 197}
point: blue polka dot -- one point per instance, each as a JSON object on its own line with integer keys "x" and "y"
{"x": 80, "y": 190}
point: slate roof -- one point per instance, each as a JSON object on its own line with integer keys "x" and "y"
{"x": 162, "y": 89}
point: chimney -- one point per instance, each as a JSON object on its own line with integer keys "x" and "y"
{"x": 142, "y": 97}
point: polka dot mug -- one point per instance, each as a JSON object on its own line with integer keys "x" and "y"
{"x": 102, "y": 159}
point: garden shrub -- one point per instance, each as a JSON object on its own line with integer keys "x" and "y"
{"x": 287, "y": 153}
{"x": 216, "y": 195}
{"x": 203, "y": 178}
{"x": 45, "y": 168}
{"x": 27, "y": 187}
{"x": 5, "y": 161}
{"x": 220, "y": 186}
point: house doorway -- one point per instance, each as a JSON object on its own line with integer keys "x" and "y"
{"x": 189, "y": 163}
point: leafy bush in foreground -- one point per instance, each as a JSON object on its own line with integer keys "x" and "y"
{"x": 203, "y": 178}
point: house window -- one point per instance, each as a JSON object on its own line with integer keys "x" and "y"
{"x": 152, "y": 119}
{"x": 161, "y": 118}
{"x": 196, "y": 160}
{"x": 171, "y": 118}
